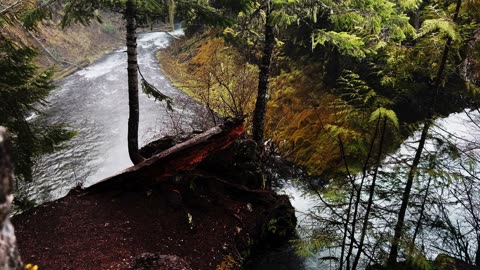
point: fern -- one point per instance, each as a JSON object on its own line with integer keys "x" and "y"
{"x": 444, "y": 26}
{"x": 346, "y": 43}
{"x": 382, "y": 112}
{"x": 409, "y": 4}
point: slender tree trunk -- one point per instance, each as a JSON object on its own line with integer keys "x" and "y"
{"x": 477, "y": 254}
{"x": 345, "y": 228}
{"x": 370, "y": 197}
{"x": 264, "y": 75}
{"x": 350, "y": 203}
{"x": 171, "y": 13}
{"x": 420, "y": 218}
{"x": 392, "y": 258}
{"x": 9, "y": 255}
{"x": 132, "y": 68}
{"x": 359, "y": 192}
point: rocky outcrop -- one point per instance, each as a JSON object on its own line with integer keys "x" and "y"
{"x": 441, "y": 262}
{"x": 9, "y": 255}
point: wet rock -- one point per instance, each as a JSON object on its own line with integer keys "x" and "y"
{"x": 279, "y": 223}
{"x": 149, "y": 261}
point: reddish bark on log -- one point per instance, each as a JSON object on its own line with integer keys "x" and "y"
{"x": 176, "y": 160}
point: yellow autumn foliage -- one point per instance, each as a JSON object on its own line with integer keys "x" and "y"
{"x": 216, "y": 75}
{"x": 307, "y": 121}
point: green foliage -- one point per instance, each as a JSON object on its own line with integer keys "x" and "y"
{"x": 346, "y": 43}
{"x": 32, "y": 17}
{"x": 442, "y": 25}
{"x": 409, "y": 4}
{"x": 22, "y": 90}
{"x": 359, "y": 28}
{"x": 382, "y": 112}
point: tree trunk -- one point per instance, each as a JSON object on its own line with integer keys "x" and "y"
{"x": 171, "y": 13}
{"x": 359, "y": 193}
{"x": 264, "y": 75}
{"x": 132, "y": 68}
{"x": 9, "y": 255}
{"x": 370, "y": 198}
{"x": 420, "y": 218}
{"x": 392, "y": 257}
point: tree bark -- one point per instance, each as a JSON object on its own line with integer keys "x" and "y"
{"x": 264, "y": 76}
{"x": 132, "y": 68}
{"x": 392, "y": 257}
{"x": 9, "y": 255}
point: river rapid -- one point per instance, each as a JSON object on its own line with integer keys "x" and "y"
{"x": 94, "y": 102}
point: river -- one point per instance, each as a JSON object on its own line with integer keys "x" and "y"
{"x": 94, "y": 102}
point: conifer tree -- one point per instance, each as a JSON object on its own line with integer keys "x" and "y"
{"x": 23, "y": 90}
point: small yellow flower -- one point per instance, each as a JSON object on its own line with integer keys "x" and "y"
{"x": 31, "y": 267}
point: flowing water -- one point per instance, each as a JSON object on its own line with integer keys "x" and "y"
{"x": 459, "y": 129}
{"x": 94, "y": 102}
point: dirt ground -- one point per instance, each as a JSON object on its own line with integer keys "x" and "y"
{"x": 108, "y": 230}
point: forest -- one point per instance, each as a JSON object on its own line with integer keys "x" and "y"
{"x": 154, "y": 127}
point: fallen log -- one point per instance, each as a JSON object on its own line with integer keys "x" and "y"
{"x": 176, "y": 160}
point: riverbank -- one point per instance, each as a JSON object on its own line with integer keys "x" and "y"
{"x": 71, "y": 48}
